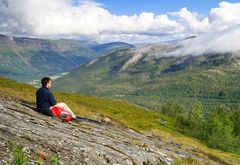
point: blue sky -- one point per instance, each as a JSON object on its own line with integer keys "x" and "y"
{"x": 130, "y": 7}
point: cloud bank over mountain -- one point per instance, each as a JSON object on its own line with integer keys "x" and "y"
{"x": 89, "y": 19}
{"x": 209, "y": 43}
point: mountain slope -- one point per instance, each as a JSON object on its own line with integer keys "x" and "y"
{"x": 110, "y": 47}
{"x": 25, "y": 59}
{"x": 149, "y": 78}
{"x": 91, "y": 141}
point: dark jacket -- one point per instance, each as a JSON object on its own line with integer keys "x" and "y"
{"x": 44, "y": 99}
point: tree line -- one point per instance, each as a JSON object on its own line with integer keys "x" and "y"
{"x": 218, "y": 128}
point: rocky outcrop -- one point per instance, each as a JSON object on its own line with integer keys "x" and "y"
{"x": 132, "y": 61}
{"x": 81, "y": 142}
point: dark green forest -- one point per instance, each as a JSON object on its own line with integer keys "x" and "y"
{"x": 218, "y": 128}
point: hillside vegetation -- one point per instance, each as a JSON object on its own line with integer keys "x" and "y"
{"x": 26, "y": 59}
{"x": 153, "y": 80}
{"x": 137, "y": 118}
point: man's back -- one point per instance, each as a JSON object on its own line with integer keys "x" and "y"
{"x": 44, "y": 98}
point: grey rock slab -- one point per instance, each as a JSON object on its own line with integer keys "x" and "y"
{"x": 85, "y": 142}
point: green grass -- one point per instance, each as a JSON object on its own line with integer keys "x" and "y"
{"x": 55, "y": 160}
{"x": 20, "y": 157}
{"x": 127, "y": 114}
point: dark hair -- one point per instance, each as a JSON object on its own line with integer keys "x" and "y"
{"x": 44, "y": 81}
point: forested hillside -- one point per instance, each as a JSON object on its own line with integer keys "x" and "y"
{"x": 154, "y": 80}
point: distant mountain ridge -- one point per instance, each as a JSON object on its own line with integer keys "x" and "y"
{"x": 110, "y": 47}
{"x": 25, "y": 59}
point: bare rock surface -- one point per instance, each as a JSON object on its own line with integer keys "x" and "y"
{"x": 82, "y": 142}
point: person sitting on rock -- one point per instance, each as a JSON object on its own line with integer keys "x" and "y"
{"x": 46, "y": 102}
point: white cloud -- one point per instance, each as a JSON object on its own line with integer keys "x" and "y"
{"x": 222, "y": 34}
{"x": 191, "y": 21}
{"x": 227, "y": 15}
{"x": 208, "y": 43}
{"x": 59, "y": 17}
{"x": 89, "y": 19}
